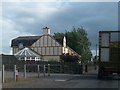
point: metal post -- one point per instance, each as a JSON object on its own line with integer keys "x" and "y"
{"x": 60, "y": 68}
{"x": 96, "y": 52}
{"x": 38, "y": 70}
{"x": 25, "y": 71}
{"x": 48, "y": 69}
{"x": 44, "y": 71}
{"x": 15, "y": 72}
{"x": 81, "y": 68}
{"x": 3, "y": 69}
{"x": 86, "y": 68}
{"x": 96, "y": 58}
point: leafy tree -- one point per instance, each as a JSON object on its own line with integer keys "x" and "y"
{"x": 58, "y": 34}
{"x": 78, "y": 40}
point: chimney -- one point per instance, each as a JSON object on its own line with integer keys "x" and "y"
{"x": 46, "y": 31}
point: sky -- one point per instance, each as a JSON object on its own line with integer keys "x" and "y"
{"x": 23, "y": 18}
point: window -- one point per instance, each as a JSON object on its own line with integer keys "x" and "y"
{"x": 33, "y": 57}
{"x": 20, "y": 46}
{"x": 28, "y": 58}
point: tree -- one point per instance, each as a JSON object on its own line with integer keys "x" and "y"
{"x": 78, "y": 40}
{"x": 58, "y": 34}
{"x": 70, "y": 58}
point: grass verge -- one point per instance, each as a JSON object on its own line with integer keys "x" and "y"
{"x": 10, "y": 82}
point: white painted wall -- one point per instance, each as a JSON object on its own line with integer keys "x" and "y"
{"x": 45, "y": 40}
{"x": 53, "y": 42}
{"x": 47, "y": 51}
{"x": 41, "y": 41}
{"x": 49, "y": 41}
{"x": 51, "y": 50}
{"x": 64, "y": 42}
{"x": 15, "y": 50}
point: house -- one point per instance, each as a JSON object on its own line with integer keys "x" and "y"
{"x": 48, "y": 47}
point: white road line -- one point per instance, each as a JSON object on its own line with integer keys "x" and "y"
{"x": 60, "y": 80}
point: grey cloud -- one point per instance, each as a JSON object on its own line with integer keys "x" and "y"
{"x": 93, "y": 16}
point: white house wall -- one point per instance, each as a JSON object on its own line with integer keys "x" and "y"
{"x": 45, "y": 42}
{"x": 55, "y": 50}
{"x": 41, "y": 41}
{"x": 49, "y": 41}
{"x": 47, "y": 45}
{"x": 15, "y": 50}
{"x": 43, "y": 51}
{"x": 39, "y": 50}
{"x": 47, "y": 51}
{"x": 51, "y": 50}
{"x": 53, "y": 42}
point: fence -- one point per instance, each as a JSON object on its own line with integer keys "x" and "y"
{"x": 16, "y": 74}
{"x": 38, "y": 69}
{"x": 56, "y": 67}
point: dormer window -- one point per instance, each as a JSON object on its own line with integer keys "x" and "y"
{"x": 20, "y": 46}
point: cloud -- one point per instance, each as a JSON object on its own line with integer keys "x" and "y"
{"x": 93, "y": 16}
{"x": 31, "y": 0}
{"x": 61, "y": 0}
{"x": 0, "y": 28}
{"x": 38, "y": 10}
{"x": 28, "y": 18}
{"x": 9, "y": 32}
{"x": 25, "y": 14}
{"x": 94, "y": 52}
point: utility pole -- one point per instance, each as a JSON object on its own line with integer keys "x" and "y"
{"x": 96, "y": 58}
{"x": 96, "y": 52}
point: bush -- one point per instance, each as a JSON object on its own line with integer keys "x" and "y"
{"x": 69, "y": 58}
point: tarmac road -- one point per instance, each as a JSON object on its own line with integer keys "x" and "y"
{"x": 86, "y": 80}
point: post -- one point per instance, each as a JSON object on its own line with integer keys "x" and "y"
{"x": 96, "y": 58}
{"x": 44, "y": 70}
{"x": 15, "y": 72}
{"x": 81, "y": 68}
{"x": 38, "y": 70}
{"x": 3, "y": 69}
{"x": 96, "y": 52}
{"x": 60, "y": 68}
{"x": 25, "y": 71}
{"x": 48, "y": 69}
{"x": 86, "y": 68}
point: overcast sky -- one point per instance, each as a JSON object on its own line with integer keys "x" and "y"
{"x": 28, "y": 18}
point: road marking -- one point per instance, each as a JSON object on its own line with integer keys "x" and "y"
{"x": 60, "y": 80}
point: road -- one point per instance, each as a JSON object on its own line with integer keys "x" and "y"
{"x": 86, "y": 80}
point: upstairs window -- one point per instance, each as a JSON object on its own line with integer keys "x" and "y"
{"x": 20, "y": 46}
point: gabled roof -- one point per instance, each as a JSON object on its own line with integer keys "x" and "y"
{"x": 59, "y": 39}
{"x": 29, "y": 40}
{"x": 26, "y": 40}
